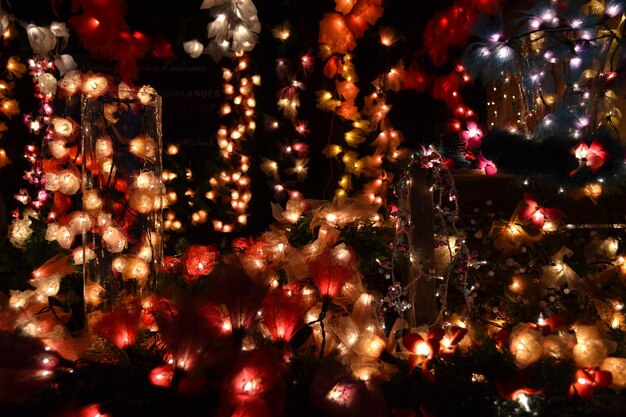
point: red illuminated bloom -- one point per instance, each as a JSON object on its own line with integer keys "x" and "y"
{"x": 587, "y": 380}
{"x": 592, "y": 156}
{"x": 256, "y": 384}
{"x": 472, "y": 137}
{"x": 486, "y": 164}
{"x": 199, "y": 260}
{"x": 283, "y": 310}
{"x": 334, "y": 32}
{"x": 537, "y": 215}
{"x": 330, "y": 271}
{"x": 119, "y": 327}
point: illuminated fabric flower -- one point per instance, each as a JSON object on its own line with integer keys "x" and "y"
{"x": 42, "y": 40}
{"x": 283, "y": 310}
{"x": 234, "y": 29}
{"x": 20, "y": 232}
{"x": 119, "y": 327}
{"x": 537, "y": 215}
{"x": 331, "y": 270}
{"x": 199, "y": 260}
{"x": 587, "y": 380}
{"x": 512, "y": 390}
{"x": 422, "y": 348}
{"x": 487, "y": 165}
{"x": 240, "y": 295}
{"x": 472, "y": 137}
{"x": 591, "y": 156}
{"x": 194, "y": 48}
{"x": 255, "y": 387}
{"x": 334, "y": 33}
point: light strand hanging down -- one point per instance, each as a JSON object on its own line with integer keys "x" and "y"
{"x": 231, "y": 187}
{"x": 290, "y": 156}
{"x": 14, "y": 69}
{"x": 338, "y": 37}
{"x": 233, "y": 33}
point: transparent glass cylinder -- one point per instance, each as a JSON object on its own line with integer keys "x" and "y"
{"x": 123, "y": 195}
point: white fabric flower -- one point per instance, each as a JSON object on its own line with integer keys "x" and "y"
{"x": 65, "y": 63}
{"x": 41, "y": 39}
{"x": 194, "y": 48}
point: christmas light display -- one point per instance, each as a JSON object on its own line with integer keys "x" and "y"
{"x": 401, "y": 296}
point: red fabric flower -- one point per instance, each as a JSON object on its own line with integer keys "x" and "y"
{"x": 537, "y": 215}
{"x": 437, "y": 342}
{"x": 332, "y": 67}
{"x": 511, "y": 390}
{"x": 587, "y": 380}
{"x": 330, "y": 271}
{"x": 334, "y": 33}
{"x": 592, "y": 156}
{"x": 283, "y": 310}
{"x": 119, "y": 327}
{"x": 473, "y": 136}
{"x": 240, "y": 295}
{"x": 486, "y": 164}
{"x": 199, "y": 260}
{"x": 256, "y": 385}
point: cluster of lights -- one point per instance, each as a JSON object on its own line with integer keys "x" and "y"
{"x": 571, "y": 82}
{"x": 233, "y": 31}
{"x": 231, "y": 187}
{"x": 8, "y": 106}
{"x": 293, "y": 150}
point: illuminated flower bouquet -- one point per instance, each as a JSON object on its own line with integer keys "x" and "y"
{"x": 554, "y": 82}
{"x": 122, "y": 193}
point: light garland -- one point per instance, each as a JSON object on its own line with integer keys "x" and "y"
{"x": 9, "y": 107}
{"x": 233, "y": 31}
{"x": 231, "y": 187}
{"x": 293, "y": 160}
{"x": 338, "y": 35}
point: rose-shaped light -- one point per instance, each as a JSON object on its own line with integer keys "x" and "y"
{"x": 70, "y": 83}
{"x": 57, "y": 149}
{"x": 194, "y": 48}
{"x": 47, "y": 84}
{"x": 41, "y": 39}
{"x": 95, "y": 85}
{"x": 146, "y": 94}
{"x": 199, "y": 260}
{"x": 65, "y": 129}
{"x": 69, "y": 182}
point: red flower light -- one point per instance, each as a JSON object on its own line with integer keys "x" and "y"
{"x": 587, "y": 380}
{"x": 283, "y": 310}
{"x": 330, "y": 271}
{"x": 162, "y": 376}
{"x": 537, "y": 215}
{"x": 119, "y": 327}
{"x": 486, "y": 164}
{"x": 334, "y": 32}
{"x": 199, "y": 260}
{"x": 472, "y": 137}
{"x": 257, "y": 379}
{"x": 592, "y": 156}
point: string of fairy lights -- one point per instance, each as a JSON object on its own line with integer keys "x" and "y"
{"x": 293, "y": 150}
{"x": 232, "y": 185}
{"x": 14, "y": 69}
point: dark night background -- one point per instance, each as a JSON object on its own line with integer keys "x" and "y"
{"x": 193, "y": 122}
